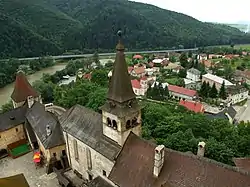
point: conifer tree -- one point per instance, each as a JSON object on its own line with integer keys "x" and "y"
{"x": 213, "y": 92}
{"x": 222, "y": 93}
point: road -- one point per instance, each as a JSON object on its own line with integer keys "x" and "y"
{"x": 245, "y": 116}
{"x": 110, "y": 54}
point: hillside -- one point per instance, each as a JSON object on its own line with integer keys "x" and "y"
{"x": 87, "y": 24}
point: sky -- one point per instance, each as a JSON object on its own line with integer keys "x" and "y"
{"x": 221, "y": 11}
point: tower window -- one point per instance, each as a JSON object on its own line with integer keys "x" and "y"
{"x": 104, "y": 173}
{"x": 16, "y": 129}
{"x": 134, "y": 121}
{"x": 109, "y": 122}
{"x": 128, "y": 124}
{"x": 114, "y": 124}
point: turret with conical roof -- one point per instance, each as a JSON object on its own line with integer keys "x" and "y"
{"x": 22, "y": 90}
{"x": 121, "y": 112}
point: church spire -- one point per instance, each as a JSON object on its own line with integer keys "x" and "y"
{"x": 120, "y": 88}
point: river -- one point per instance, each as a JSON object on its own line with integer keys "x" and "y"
{"x": 6, "y": 91}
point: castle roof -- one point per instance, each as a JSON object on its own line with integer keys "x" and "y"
{"x": 22, "y": 88}
{"x": 135, "y": 163}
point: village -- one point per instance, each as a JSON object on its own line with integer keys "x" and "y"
{"x": 49, "y": 145}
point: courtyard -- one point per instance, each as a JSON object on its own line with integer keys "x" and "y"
{"x": 24, "y": 164}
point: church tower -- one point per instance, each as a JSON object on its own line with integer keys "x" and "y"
{"x": 121, "y": 113}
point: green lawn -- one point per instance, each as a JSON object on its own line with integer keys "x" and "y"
{"x": 20, "y": 150}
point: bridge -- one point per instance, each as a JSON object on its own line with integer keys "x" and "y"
{"x": 110, "y": 54}
{"x": 57, "y": 110}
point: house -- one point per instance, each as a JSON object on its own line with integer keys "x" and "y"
{"x": 242, "y": 76}
{"x": 189, "y": 84}
{"x": 148, "y": 165}
{"x": 193, "y": 74}
{"x": 157, "y": 83}
{"x": 174, "y": 67}
{"x": 23, "y": 90}
{"x": 236, "y": 94}
{"x": 202, "y": 56}
{"x": 218, "y": 81}
{"x": 196, "y": 107}
{"x": 44, "y": 132}
{"x": 93, "y": 140}
{"x": 227, "y": 114}
{"x": 140, "y": 86}
{"x": 214, "y": 56}
{"x": 12, "y": 126}
{"x": 138, "y": 72}
{"x": 178, "y": 92}
{"x": 137, "y": 57}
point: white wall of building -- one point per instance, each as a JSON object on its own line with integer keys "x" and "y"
{"x": 193, "y": 77}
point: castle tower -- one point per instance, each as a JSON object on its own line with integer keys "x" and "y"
{"x": 121, "y": 113}
{"x": 23, "y": 91}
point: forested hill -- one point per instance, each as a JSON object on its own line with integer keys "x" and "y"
{"x": 37, "y": 27}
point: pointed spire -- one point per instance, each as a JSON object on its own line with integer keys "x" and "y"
{"x": 120, "y": 88}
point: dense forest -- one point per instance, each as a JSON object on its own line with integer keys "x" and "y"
{"x": 40, "y": 27}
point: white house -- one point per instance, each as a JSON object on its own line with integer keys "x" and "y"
{"x": 236, "y": 94}
{"x": 140, "y": 86}
{"x": 218, "y": 81}
{"x": 193, "y": 74}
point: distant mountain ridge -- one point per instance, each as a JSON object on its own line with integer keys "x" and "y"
{"x": 54, "y": 26}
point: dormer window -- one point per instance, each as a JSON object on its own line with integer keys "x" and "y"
{"x": 109, "y": 122}
{"x": 114, "y": 124}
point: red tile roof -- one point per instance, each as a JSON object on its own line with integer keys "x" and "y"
{"x": 22, "y": 89}
{"x": 137, "y": 57}
{"x": 139, "y": 70}
{"x": 136, "y": 84}
{"x": 181, "y": 90}
{"x": 193, "y": 106}
{"x": 130, "y": 68}
{"x": 144, "y": 78}
{"x": 134, "y": 168}
{"x": 242, "y": 163}
{"x": 87, "y": 76}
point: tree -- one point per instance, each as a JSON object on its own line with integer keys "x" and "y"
{"x": 100, "y": 77}
{"x": 166, "y": 92}
{"x": 190, "y": 54}
{"x": 182, "y": 73}
{"x": 161, "y": 92}
{"x": 228, "y": 72}
{"x": 7, "y": 107}
{"x": 203, "y": 90}
{"x": 222, "y": 93}
{"x": 213, "y": 92}
{"x": 96, "y": 58}
{"x": 46, "y": 89}
{"x": 183, "y": 60}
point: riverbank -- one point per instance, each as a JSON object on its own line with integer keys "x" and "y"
{"x": 6, "y": 91}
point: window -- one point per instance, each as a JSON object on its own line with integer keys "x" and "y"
{"x": 114, "y": 124}
{"x": 54, "y": 154}
{"x": 128, "y": 124}
{"x": 104, "y": 173}
{"x": 76, "y": 150}
{"x": 16, "y": 129}
{"x": 109, "y": 122}
{"x": 63, "y": 152}
{"x": 90, "y": 177}
{"x": 89, "y": 161}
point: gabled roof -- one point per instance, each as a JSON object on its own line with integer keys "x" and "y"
{"x": 217, "y": 79}
{"x": 86, "y": 125}
{"x": 139, "y": 70}
{"x": 12, "y": 118}
{"x": 38, "y": 118}
{"x": 120, "y": 89}
{"x": 22, "y": 88}
{"x": 193, "y": 106}
{"x": 136, "y": 84}
{"x": 14, "y": 181}
{"x": 99, "y": 182}
{"x": 137, "y": 57}
{"x": 181, "y": 90}
{"x": 134, "y": 168}
{"x": 194, "y": 71}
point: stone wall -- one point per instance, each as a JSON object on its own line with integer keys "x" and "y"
{"x": 11, "y": 135}
{"x": 99, "y": 162}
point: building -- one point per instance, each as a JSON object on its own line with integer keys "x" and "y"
{"x": 236, "y": 94}
{"x": 178, "y": 92}
{"x": 93, "y": 140}
{"x": 218, "y": 81}
{"x": 140, "y": 86}
{"x": 23, "y": 90}
{"x": 139, "y": 57}
{"x": 193, "y": 74}
{"x": 242, "y": 76}
{"x": 189, "y": 84}
{"x": 12, "y": 127}
{"x": 202, "y": 56}
{"x": 174, "y": 67}
{"x": 138, "y": 71}
{"x": 227, "y": 114}
{"x": 196, "y": 107}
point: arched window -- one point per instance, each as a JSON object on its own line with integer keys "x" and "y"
{"x": 109, "y": 122}
{"x": 134, "y": 121}
{"x": 114, "y": 124}
{"x": 128, "y": 124}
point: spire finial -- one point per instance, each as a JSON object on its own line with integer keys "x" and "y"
{"x": 119, "y": 46}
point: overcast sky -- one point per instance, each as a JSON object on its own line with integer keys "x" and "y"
{"x": 224, "y": 11}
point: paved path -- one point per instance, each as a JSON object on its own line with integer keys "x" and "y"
{"x": 25, "y": 165}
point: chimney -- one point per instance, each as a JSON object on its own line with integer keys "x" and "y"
{"x": 30, "y": 101}
{"x": 48, "y": 130}
{"x": 201, "y": 149}
{"x": 158, "y": 160}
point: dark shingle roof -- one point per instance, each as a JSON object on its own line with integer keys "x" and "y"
{"x": 194, "y": 71}
{"x": 22, "y": 88}
{"x": 222, "y": 115}
{"x": 99, "y": 182}
{"x": 242, "y": 163}
{"x": 134, "y": 167}
{"x": 39, "y": 119}
{"x": 12, "y": 118}
{"x": 14, "y": 181}
{"x": 86, "y": 125}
